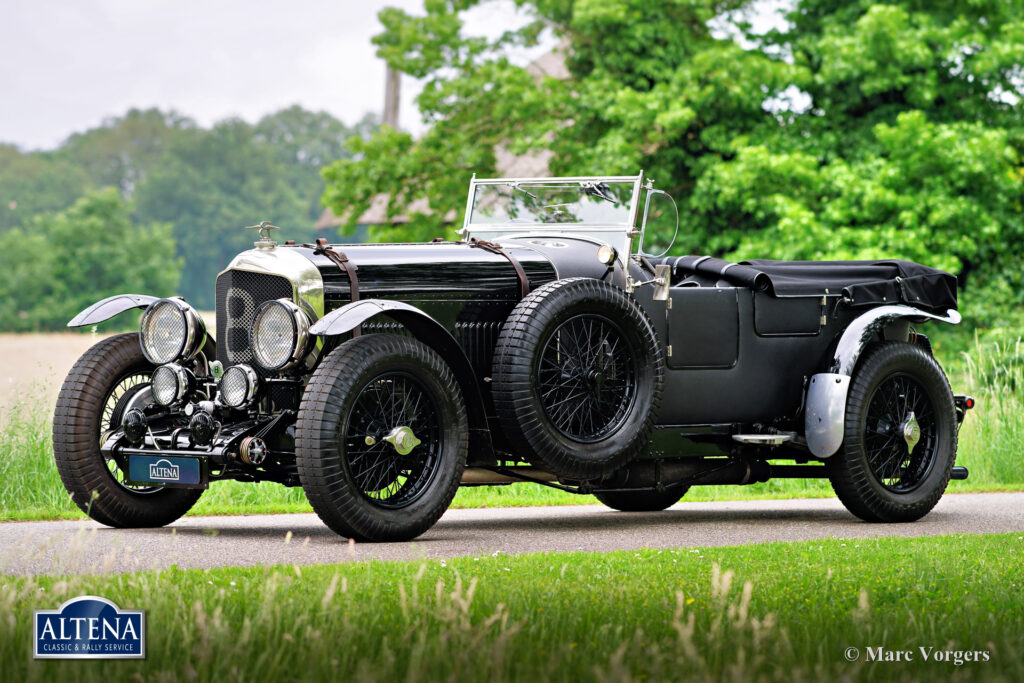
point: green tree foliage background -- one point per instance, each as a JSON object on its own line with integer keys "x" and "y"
{"x": 861, "y": 130}
{"x": 53, "y": 268}
{"x": 200, "y": 185}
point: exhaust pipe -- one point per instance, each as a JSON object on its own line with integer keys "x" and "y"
{"x": 478, "y": 476}
{"x": 693, "y": 471}
{"x": 651, "y": 473}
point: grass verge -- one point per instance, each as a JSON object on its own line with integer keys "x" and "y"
{"x": 989, "y": 446}
{"x": 769, "y": 612}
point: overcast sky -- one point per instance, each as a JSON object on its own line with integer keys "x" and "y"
{"x": 65, "y": 65}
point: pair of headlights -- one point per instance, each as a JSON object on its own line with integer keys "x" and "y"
{"x": 171, "y": 383}
{"x": 171, "y": 331}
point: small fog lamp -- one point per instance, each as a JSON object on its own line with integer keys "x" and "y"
{"x": 170, "y": 383}
{"x": 238, "y": 386}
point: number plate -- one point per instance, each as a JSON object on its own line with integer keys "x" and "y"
{"x": 166, "y": 470}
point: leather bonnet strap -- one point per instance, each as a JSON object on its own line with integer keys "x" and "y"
{"x": 524, "y": 281}
{"x": 342, "y": 261}
{"x": 339, "y": 259}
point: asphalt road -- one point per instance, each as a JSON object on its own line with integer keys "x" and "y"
{"x": 203, "y": 542}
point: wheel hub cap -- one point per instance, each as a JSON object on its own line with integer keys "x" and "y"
{"x": 403, "y": 439}
{"x": 911, "y": 431}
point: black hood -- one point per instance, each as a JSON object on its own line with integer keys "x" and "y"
{"x": 428, "y": 271}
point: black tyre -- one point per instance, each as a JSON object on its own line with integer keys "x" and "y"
{"x": 105, "y": 381}
{"x": 899, "y": 443}
{"x": 354, "y": 458}
{"x": 643, "y": 501}
{"x": 577, "y": 378}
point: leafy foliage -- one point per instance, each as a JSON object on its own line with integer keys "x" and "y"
{"x": 211, "y": 185}
{"x": 204, "y": 184}
{"x": 61, "y": 263}
{"x": 35, "y": 183}
{"x": 858, "y": 130}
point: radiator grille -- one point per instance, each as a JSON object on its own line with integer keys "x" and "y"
{"x": 239, "y": 294}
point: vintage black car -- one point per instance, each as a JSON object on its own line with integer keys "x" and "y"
{"x": 545, "y": 346}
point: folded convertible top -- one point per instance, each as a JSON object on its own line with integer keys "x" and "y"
{"x": 862, "y": 283}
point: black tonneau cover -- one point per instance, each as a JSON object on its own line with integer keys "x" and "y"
{"x": 861, "y": 283}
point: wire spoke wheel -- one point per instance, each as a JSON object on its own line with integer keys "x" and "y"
{"x": 577, "y": 378}
{"x": 381, "y": 438}
{"x": 378, "y": 468}
{"x": 110, "y": 379}
{"x": 586, "y": 377}
{"x": 901, "y": 435}
{"x": 122, "y": 397}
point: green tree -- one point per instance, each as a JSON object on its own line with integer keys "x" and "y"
{"x": 650, "y": 87}
{"x": 121, "y": 150}
{"x": 63, "y": 262}
{"x": 305, "y": 141}
{"x": 36, "y": 182}
{"x": 859, "y": 130}
{"x": 204, "y": 184}
{"x": 211, "y": 185}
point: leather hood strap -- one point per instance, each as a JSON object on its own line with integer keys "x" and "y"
{"x": 342, "y": 261}
{"x": 524, "y": 281}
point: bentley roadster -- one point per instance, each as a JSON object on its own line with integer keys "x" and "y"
{"x": 547, "y": 346}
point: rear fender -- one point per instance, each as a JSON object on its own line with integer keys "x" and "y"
{"x": 109, "y": 307}
{"x": 826, "y": 393}
{"x": 432, "y": 333}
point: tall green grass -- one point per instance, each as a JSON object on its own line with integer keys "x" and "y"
{"x": 992, "y": 436}
{"x": 767, "y": 612}
{"x": 990, "y": 446}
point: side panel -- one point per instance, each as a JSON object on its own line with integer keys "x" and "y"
{"x": 703, "y": 328}
{"x": 774, "y": 316}
{"x": 767, "y": 380}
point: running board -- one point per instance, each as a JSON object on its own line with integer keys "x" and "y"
{"x": 763, "y": 439}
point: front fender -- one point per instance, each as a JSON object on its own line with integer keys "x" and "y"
{"x": 109, "y": 307}
{"x": 432, "y": 333}
{"x": 825, "y": 412}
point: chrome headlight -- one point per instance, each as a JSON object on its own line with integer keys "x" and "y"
{"x": 171, "y": 330}
{"x": 238, "y": 386}
{"x": 279, "y": 334}
{"x": 170, "y": 384}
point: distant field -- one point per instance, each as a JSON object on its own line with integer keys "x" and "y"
{"x": 34, "y": 365}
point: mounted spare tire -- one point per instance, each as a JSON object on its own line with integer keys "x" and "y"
{"x": 577, "y": 378}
